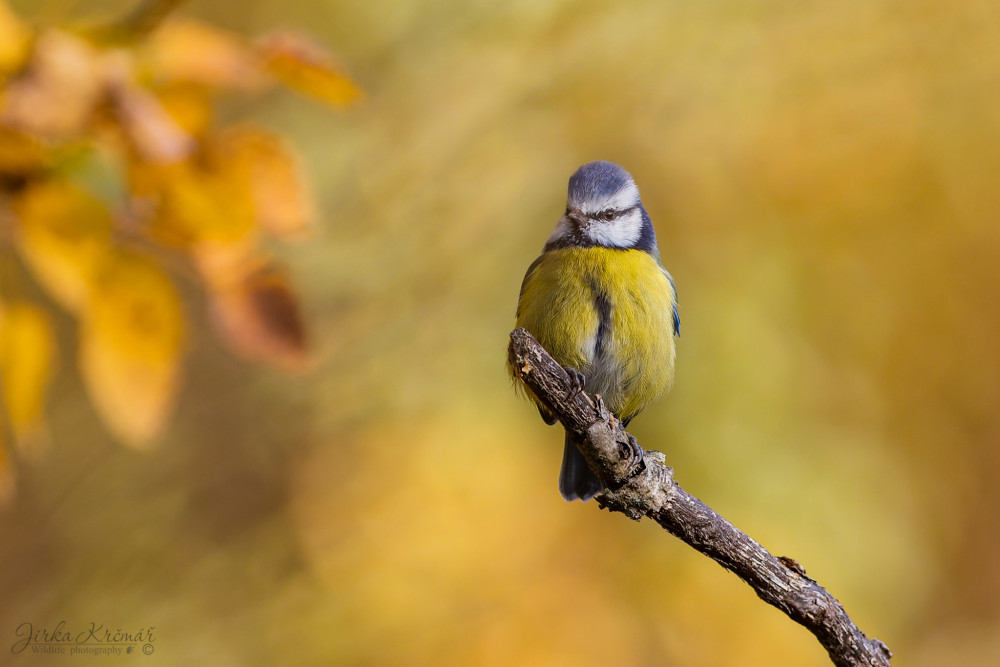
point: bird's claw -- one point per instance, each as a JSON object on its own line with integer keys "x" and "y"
{"x": 637, "y": 453}
{"x": 577, "y": 380}
{"x": 602, "y": 409}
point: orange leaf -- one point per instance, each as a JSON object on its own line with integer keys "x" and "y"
{"x": 204, "y": 199}
{"x": 64, "y": 235}
{"x": 254, "y": 308}
{"x": 57, "y": 93}
{"x": 184, "y": 51}
{"x": 14, "y": 40}
{"x": 281, "y": 202}
{"x": 27, "y": 359}
{"x": 305, "y": 66}
{"x": 130, "y": 347}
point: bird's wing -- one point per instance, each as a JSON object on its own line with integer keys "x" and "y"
{"x": 524, "y": 282}
{"x": 676, "y": 315}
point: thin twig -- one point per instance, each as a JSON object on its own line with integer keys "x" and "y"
{"x": 645, "y": 487}
{"x": 142, "y": 20}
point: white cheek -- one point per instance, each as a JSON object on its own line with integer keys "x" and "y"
{"x": 621, "y": 233}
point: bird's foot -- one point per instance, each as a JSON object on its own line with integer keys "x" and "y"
{"x": 637, "y": 453}
{"x": 577, "y": 380}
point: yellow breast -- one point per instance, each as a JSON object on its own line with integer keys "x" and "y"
{"x": 609, "y": 314}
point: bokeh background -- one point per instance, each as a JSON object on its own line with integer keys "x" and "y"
{"x": 824, "y": 179}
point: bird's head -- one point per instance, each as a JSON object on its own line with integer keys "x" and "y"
{"x": 602, "y": 209}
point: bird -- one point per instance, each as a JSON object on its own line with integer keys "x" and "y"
{"x": 599, "y": 300}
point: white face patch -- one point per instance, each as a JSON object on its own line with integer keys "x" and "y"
{"x": 622, "y": 232}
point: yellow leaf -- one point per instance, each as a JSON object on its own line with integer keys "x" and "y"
{"x": 14, "y": 40}
{"x": 130, "y": 347}
{"x": 64, "y": 234}
{"x": 205, "y": 199}
{"x": 305, "y": 66}
{"x": 281, "y": 202}
{"x": 254, "y": 307}
{"x": 184, "y": 51}
{"x": 27, "y": 360}
{"x": 56, "y": 95}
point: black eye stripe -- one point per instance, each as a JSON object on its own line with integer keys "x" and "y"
{"x": 599, "y": 215}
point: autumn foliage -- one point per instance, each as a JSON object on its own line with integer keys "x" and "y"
{"x": 118, "y": 181}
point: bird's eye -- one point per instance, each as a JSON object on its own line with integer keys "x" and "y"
{"x": 607, "y": 214}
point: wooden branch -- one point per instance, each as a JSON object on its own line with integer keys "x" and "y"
{"x": 142, "y": 20}
{"x": 646, "y": 487}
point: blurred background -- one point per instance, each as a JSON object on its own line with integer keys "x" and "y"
{"x": 823, "y": 179}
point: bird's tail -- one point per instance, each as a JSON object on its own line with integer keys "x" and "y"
{"x": 576, "y": 480}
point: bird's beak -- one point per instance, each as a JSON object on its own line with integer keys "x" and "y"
{"x": 577, "y": 217}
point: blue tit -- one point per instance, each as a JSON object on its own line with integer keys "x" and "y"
{"x": 600, "y": 302}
